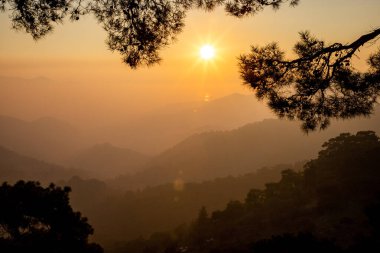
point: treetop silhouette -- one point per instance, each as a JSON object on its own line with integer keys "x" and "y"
{"x": 38, "y": 219}
{"x": 318, "y": 85}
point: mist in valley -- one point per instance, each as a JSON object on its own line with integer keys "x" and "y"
{"x": 175, "y": 127}
{"x": 152, "y": 173}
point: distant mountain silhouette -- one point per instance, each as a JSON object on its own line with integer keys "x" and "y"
{"x": 55, "y": 140}
{"x": 46, "y": 138}
{"x": 14, "y": 167}
{"x": 222, "y": 153}
{"x": 106, "y": 161}
{"x": 161, "y": 129}
{"x": 116, "y": 120}
{"x": 201, "y": 156}
{"x": 22, "y": 81}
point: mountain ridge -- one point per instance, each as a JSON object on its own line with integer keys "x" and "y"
{"x": 234, "y": 152}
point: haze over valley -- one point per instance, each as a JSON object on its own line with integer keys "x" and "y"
{"x": 206, "y": 154}
{"x": 181, "y": 126}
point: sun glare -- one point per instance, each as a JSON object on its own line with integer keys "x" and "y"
{"x": 207, "y": 52}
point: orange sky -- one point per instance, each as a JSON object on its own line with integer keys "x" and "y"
{"x": 75, "y": 54}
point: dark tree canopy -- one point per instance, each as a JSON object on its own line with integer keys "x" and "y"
{"x": 319, "y": 85}
{"x": 137, "y": 29}
{"x": 38, "y": 219}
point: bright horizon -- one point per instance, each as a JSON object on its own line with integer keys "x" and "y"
{"x": 77, "y": 60}
{"x": 182, "y": 156}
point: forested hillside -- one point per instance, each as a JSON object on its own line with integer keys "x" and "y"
{"x": 124, "y": 215}
{"x": 332, "y": 205}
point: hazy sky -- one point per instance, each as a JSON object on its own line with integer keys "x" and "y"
{"x": 76, "y": 58}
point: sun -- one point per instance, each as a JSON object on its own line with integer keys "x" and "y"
{"x": 207, "y": 52}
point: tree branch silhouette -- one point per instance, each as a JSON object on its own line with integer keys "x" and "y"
{"x": 319, "y": 85}
{"x": 137, "y": 29}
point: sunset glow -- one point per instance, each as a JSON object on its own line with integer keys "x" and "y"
{"x": 185, "y": 126}
{"x": 207, "y": 52}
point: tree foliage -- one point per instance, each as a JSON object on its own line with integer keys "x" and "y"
{"x": 137, "y": 29}
{"x": 38, "y": 219}
{"x": 318, "y": 85}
